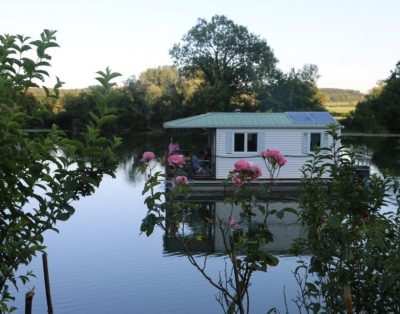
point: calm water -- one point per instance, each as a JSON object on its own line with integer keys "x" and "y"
{"x": 99, "y": 263}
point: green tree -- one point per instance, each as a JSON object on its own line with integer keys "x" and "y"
{"x": 76, "y": 108}
{"x": 354, "y": 244}
{"x": 132, "y": 110}
{"x": 380, "y": 111}
{"x": 293, "y": 91}
{"x": 41, "y": 175}
{"x": 162, "y": 90}
{"x": 232, "y": 60}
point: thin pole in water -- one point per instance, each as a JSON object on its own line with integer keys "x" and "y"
{"x": 47, "y": 284}
{"x": 28, "y": 302}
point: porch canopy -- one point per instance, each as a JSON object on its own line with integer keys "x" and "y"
{"x": 315, "y": 119}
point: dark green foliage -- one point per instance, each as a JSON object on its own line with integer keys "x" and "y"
{"x": 238, "y": 70}
{"x": 226, "y": 53}
{"x": 230, "y": 58}
{"x": 162, "y": 91}
{"x": 211, "y": 98}
{"x": 385, "y": 151}
{"x": 294, "y": 91}
{"x": 354, "y": 244}
{"x": 76, "y": 111}
{"x": 131, "y": 110}
{"x": 41, "y": 175}
{"x": 380, "y": 111}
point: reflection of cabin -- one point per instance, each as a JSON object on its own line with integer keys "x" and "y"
{"x": 201, "y": 236}
{"x": 239, "y": 135}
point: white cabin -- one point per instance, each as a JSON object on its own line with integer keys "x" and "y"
{"x": 238, "y": 135}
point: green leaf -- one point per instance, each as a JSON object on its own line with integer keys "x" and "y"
{"x": 290, "y": 210}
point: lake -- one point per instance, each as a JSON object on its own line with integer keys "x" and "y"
{"x": 99, "y": 262}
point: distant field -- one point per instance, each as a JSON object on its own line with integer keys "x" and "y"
{"x": 340, "y": 109}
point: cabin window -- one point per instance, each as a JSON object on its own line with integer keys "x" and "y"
{"x": 239, "y": 142}
{"x": 251, "y": 142}
{"x": 245, "y": 142}
{"x": 315, "y": 141}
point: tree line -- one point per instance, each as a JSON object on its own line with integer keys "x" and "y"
{"x": 380, "y": 111}
{"x": 217, "y": 66}
{"x": 343, "y": 95}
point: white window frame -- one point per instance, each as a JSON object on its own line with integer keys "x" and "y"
{"x": 245, "y": 142}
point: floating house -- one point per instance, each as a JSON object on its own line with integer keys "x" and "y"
{"x": 238, "y": 135}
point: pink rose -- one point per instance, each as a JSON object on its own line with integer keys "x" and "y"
{"x": 176, "y": 161}
{"x": 180, "y": 180}
{"x": 274, "y": 157}
{"x": 148, "y": 156}
{"x": 281, "y": 161}
{"x": 255, "y": 171}
{"x": 233, "y": 222}
{"x": 236, "y": 180}
{"x": 242, "y": 165}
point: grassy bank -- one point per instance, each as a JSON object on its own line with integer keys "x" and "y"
{"x": 340, "y": 109}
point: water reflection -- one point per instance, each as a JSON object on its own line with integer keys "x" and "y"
{"x": 200, "y": 230}
{"x": 384, "y": 150}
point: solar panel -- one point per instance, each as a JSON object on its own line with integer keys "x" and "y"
{"x": 300, "y": 117}
{"x": 322, "y": 117}
{"x": 311, "y": 117}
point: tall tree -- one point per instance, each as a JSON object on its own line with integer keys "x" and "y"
{"x": 380, "y": 111}
{"x": 232, "y": 60}
{"x": 162, "y": 91}
{"x": 293, "y": 91}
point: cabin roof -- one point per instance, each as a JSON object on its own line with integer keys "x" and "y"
{"x": 254, "y": 120}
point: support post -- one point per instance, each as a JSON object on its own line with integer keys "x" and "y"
{"x": 47, "y": 284}
{"x": 28, "y": 302}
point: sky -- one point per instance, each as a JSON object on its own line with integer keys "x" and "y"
{"x": 354, "y": 43}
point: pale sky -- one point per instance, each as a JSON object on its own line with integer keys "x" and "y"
{"x": 354, "y": 43}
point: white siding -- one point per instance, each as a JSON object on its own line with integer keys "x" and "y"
{"x": 288, "y": 141}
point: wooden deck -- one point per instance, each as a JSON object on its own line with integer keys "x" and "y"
{"x": 219, "y": 189}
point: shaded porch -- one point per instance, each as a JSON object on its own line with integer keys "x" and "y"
{"x": 195, "y": 167}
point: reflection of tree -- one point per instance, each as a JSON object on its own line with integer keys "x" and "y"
{"x": 385, "y": 150}
{"x": 130, "y": 152}
{"x": 191, "y": 229}
{"x": 133, "y": 146}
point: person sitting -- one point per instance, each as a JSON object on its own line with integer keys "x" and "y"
{"x": 202, "y": 161}
{"x": 173, "y": 147}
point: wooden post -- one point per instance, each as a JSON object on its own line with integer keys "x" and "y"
{"x": 47, "y": 284}
{"x": 28, "y": 302}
